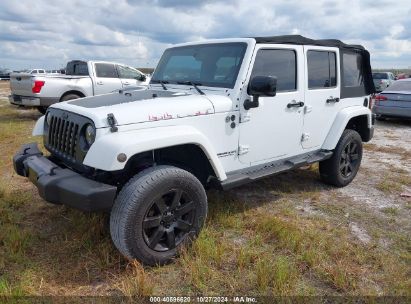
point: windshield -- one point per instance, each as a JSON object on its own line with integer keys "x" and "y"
{"x": 380, "y": 75}
{"x": 214, "y": 65}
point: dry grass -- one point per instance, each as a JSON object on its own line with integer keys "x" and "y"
{"x": 404, "y": 153}
{"x": 286, "y": 235}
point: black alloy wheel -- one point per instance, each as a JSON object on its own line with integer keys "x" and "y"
{"x": 349, "y": 159}
{"x": 343, "y": 166}
{"x": 169, "y": 220}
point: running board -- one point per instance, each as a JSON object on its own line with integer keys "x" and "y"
{"x": 251, "y": 174}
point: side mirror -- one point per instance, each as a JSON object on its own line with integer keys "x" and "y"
{"x": 260, "y": 86}
{"x": 142, "y": 77}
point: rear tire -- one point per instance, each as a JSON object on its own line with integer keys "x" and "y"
{"x": 342, "y": 167}
{"x": 156, "y": 213}
{"x": 69, "y": 97}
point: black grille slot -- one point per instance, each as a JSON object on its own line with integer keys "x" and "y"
{"x": 62, "y": 136}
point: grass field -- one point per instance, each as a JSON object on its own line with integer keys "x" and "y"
{"x": 284, "y": 235}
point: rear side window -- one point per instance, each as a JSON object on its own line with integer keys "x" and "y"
{"x": 77, "y": 68}
{"x": 380, "y": 76}
{"x": 352, "y": 70}
{"x": 106, "y": 70}
{"x": 322, "y": 71}
{"x": 279, "y": 63}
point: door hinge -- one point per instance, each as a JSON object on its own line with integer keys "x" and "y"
{"x": 305, "y": 137}
{"x": 243, "y": 149}
{"x": 244, "y": 117}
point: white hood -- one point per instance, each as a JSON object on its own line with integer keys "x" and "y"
{"x": 131, "y": 107}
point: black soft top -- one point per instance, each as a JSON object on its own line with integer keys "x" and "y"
{"x": 368, "y": 85}
{"x": 301, "y": 40}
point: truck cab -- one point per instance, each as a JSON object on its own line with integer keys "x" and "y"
{"x": 39, "y": 89}
{"x": 218, "y": 113}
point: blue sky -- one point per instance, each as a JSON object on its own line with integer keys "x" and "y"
{"x": 40, "y": 33}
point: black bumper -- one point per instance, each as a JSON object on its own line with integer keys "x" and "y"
{"x": 60, "y": 185}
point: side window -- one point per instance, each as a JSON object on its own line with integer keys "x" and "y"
{"x": 279, "y": 63}
{"x": 322, "y": 71}
{"x": 352, "y": 69}
{"x": 106, "y": 70}
{"x": 126, "y": 72}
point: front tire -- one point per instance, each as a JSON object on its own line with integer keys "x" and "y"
{"x": 342, "y": 167}
{"x": 156, "y": 213}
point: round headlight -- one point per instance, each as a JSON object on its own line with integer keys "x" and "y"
{"x": 48, "y": 118}
{"x": 90, "y": 134}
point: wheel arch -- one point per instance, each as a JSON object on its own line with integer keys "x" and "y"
{"x": 356, "y": 118}
{"x": 168, "y": 145}
{"x": 75, "y": 92}
{"x": 190, "y": 157}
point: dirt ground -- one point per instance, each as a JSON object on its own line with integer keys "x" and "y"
{"x": 285, "y": 235}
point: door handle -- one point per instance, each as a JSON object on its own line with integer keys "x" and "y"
{"x": 99, "y": 82}
{"x": 295, "y": 104}
{"x": 332, "y": 99}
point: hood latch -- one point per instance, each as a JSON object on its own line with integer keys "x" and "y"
{"x": 112, "y": 122}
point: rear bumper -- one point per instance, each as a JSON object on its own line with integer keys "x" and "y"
{"x": 59, "y": 185}
{"x": 31, "y": 101}
{"x": 392, "y": 111}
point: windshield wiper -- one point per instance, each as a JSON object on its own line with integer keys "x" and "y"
{"x": 194, "y": 84}
{"x": 162, "y": 82}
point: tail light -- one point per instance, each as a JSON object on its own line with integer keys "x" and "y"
{"x": 38, "y": 84}
{"x": 378, "y": 98}
{"x": 371, "y": 102}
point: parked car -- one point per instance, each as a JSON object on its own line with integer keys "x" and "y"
{"x": 402, "y": 76}
{"x": 37, "y": 71}
{"x": 217, "y": 113}
{"x": 382, "y": 80}
{"x": 81, "y": 79}
{"x": 5, "y": 74}
{"x": 53, "y": 72}
{"x": 394, "y": 101}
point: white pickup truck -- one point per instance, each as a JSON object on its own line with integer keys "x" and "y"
{"x": 81, "y": 79}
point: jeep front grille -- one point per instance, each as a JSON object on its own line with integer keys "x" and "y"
{"x": 63, "y": 136}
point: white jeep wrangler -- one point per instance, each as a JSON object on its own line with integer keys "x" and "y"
{"x": 219, "y": 113}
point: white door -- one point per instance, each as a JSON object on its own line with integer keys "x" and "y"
{"x": 106, "y": 79}
{"x": 322, "y": 94}
{"x": 273, "y": 130}
{"x": 130, "y": 77}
